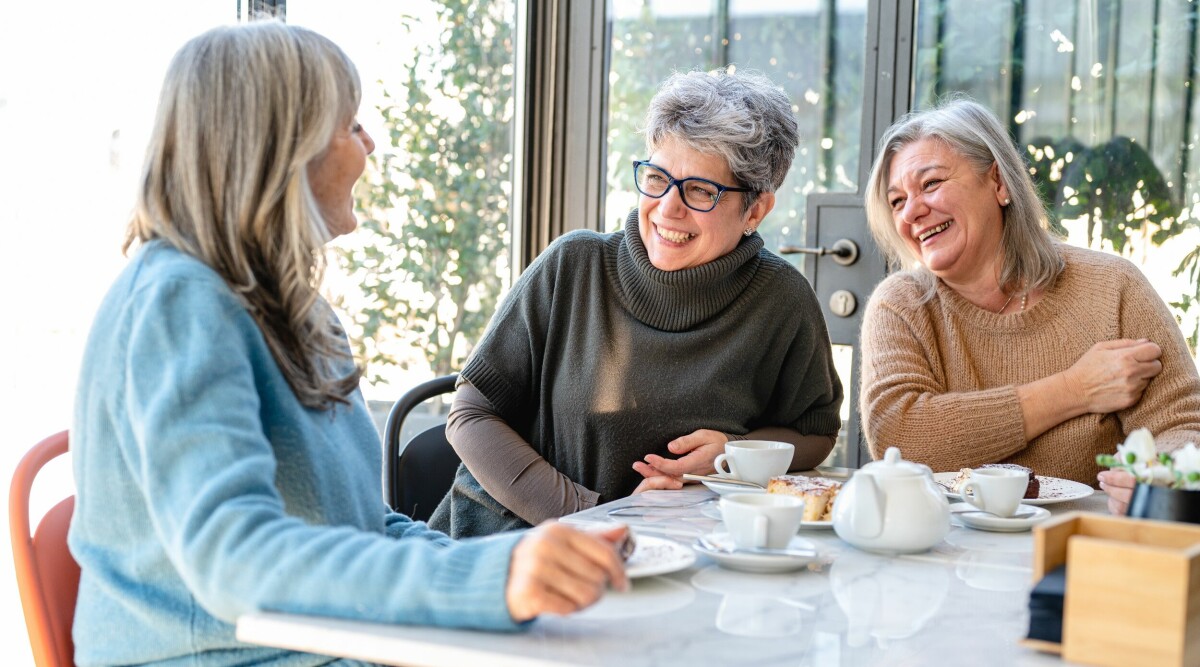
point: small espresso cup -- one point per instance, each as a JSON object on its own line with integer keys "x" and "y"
{"x": 754, "y": 460}
{"x": 995, "y": 490}
{"x": 761, "y": 520}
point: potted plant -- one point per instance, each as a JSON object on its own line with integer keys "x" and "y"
{"x": 1167, "y": 482}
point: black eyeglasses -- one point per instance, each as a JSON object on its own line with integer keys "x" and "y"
{"x": 699, "y": 194}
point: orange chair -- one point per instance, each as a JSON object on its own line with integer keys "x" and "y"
{"x": 47, "y": 574}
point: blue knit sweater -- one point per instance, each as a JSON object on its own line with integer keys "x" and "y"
{"x": 206, "y": 491}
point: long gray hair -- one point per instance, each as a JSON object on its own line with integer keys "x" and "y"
{"x": 243, "y": 110}
{"x": 740, "y": 116}
{"x": 1031, "y": 260}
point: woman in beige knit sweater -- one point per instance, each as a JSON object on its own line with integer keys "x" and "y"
{"x": 999, "y": 343}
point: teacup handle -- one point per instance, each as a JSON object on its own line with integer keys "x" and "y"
{"x": 760, "y": 532}
{"x": 971, "y": 495}
{"x": 720, "y": 464}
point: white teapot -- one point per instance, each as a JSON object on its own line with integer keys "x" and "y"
{"x": 892, "y": 506}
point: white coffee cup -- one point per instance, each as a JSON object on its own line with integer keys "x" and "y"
{"x": 754, "y": 460}
{"x": 995, "y": 490}
{"x": 761, "y": 520}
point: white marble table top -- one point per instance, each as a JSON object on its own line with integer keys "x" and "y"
{"x": 963, "y": 602}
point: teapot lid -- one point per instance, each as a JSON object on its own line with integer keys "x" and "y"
{"x": 891, "y": 465}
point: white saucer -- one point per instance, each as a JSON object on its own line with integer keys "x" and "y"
{"x": 1027, "y": 517}
{"x": 722, "y": 488}
{"x": 1052, "y": 489}
{"x": 758, "y": 562}
{"x": 657, "y": 555}
{"x": 713, "y": 511}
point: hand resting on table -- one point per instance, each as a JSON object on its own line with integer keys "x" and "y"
{"x": 557, "y": 569}
{"x": 698, "y": 449}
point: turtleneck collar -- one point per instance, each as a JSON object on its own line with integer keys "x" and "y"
{"x": 679, "y": 300}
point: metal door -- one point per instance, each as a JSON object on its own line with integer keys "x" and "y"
{"x": 841, "y": 260}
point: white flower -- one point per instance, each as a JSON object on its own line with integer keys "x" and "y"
{"x": 1187, "y": 458}
{"x": 1138, "y": 450}
{"x": 1153, "y": 473}
{"x": 1186, "y": 461}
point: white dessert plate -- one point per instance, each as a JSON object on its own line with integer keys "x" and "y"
{"x": 816, "y": 525}
{"x": 1027, "y": 517}
{"x": 757, "y": 562}
{"x": 1052, "y": 489}
{"x": 722, "y": 488}
{"x": 657, "y": 555}
{"x": 713, "y": 511}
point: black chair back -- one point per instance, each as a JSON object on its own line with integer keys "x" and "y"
{"x": 418, "y": 474}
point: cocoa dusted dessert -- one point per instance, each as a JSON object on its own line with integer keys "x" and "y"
{"x": 1032, "y": 490}
{"x": 1034, "y": 487}
{"x": 818, "y": 493}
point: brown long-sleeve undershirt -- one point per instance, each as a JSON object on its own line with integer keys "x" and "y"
{"x": 513, "y": 472}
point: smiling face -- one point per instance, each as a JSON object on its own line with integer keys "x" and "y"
{"x": 677, "y": 237}
{"x": 948, "y": 215}
{"x": 332, "y": 176}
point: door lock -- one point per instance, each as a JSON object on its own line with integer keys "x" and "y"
{"x": 844, "y": 251}
{"x": 843, "y": 303}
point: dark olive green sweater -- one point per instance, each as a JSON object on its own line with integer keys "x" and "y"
{"x": 597, "y": 358}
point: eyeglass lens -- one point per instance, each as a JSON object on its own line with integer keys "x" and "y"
{"x": 697, "y": 194}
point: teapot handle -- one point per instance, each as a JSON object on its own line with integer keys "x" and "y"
{"x": 867, "y": 516}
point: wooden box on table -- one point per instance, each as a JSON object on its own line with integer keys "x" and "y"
{"x": 1132, "y": 591}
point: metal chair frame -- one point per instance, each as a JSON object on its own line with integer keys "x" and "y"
{"x": 393, "y": 448}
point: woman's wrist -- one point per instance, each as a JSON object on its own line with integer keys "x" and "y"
{"x": 1048, "y": 402}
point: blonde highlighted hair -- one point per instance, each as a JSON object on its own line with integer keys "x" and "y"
{"x": 243, "y": 111}
{"x": 1031, "y": 260}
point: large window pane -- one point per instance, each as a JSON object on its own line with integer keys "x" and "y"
{"x": 1101, "y": 95}
{"x": 812, "y": 48}
{"x": 79, "y": 82}
{"x": 422, "y": 276}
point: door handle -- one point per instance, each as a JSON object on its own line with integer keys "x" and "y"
{"x": 844, "y": 251}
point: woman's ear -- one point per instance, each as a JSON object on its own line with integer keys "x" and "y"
{"x": 759, "y": 209}
{"x": 1002, "y": 196}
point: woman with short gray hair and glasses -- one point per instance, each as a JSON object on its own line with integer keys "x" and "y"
{"x": 621, "y": 361}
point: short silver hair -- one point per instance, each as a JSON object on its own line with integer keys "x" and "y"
{"x": 738, "y": 115}
{"x": 1031, "y": 259}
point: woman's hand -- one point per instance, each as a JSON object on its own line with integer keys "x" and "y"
{"x": 1112, "y": 375}
{"x": 698, "y": 450}
{"x": 1118, "y": 484}
{"x": 556, "y": 569}
{"x": 656, "y": 482}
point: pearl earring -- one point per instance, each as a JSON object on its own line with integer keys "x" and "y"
{"x": 748, "y": 232}
{"x": 1007, "y": 201}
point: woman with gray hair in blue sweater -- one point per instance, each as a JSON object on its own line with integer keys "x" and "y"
{"x": 224, "y": 459}
{"x": 621, "y": 361}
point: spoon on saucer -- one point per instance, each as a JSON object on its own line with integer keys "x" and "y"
{"x": 721, "y": 480}
{"x": 975, "y": 510}
{"x": 708, "y": 545}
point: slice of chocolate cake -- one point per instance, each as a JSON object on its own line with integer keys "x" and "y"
{"x": 1034, "y": 488}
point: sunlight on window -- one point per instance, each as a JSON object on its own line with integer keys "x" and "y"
{"x": 78, "y": 87}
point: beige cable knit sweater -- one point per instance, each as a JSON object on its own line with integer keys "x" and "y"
{"x": 939, "y": 380}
